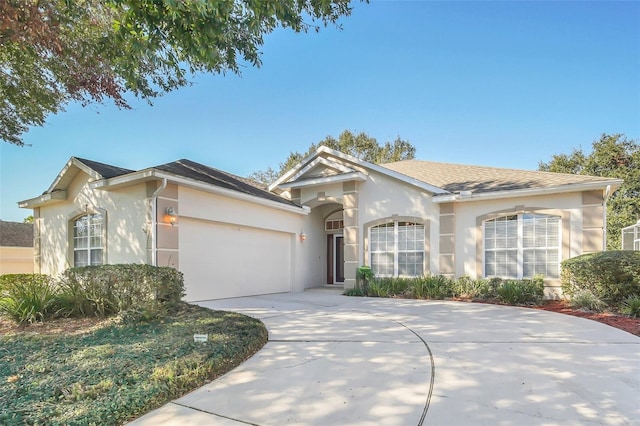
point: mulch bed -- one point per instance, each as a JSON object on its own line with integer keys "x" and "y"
{"x": 628, "y": 324}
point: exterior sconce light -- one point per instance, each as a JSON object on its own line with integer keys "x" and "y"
{"x": 171, "y": 216}
{"x": 303, "y": 236}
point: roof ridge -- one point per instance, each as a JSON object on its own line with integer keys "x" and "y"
{"x": 491, "y": 168}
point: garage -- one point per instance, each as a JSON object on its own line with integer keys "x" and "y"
{"x": 222, "y": 260}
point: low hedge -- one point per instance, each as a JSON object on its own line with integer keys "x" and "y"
{"x": 109, "y": 289}
{"x": 611, "y": 276}
{"x": 132, "y": 291}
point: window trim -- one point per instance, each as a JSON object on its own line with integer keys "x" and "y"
{"x": 520, "y": 249}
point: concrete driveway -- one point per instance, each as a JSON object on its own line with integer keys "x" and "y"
{"x": 337, "y": 360}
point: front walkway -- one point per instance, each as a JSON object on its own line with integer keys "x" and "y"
{"x": 337, "y": 360}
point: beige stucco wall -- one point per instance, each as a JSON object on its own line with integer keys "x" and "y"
{"x": 126, "y": 213}
{"x": 382, "y": 197}
{"x": 16, "y": 260}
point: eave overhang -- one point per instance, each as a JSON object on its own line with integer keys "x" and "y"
{"x": 48, "y": 198}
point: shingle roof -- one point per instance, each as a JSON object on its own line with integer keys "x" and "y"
{"x": 200, "y": 172}
{"x": 107, "y": 171}
{"x": 16, "y": 234}
{"x": 478, "y": 179}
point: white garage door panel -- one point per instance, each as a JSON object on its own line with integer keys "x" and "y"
{"x": 221, "y": 261}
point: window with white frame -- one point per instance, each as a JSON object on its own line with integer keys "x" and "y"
{"x": 397, "y": 249}
{"x": 521, "y": 246}
{"x": 88, "y": 240}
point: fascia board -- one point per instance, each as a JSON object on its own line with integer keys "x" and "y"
{"x": 124, "y": 180}
{"x": 325, "y": 180}
{"x": 561, "y": 189}
{"x": 47, "y": 198}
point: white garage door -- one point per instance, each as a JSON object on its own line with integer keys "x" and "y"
{"x": 221, "y": 260}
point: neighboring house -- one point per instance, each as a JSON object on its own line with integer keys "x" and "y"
{"x": 319, "y": 222}
{"x": 631, "y": 237}
{"x": 16, "y": 248}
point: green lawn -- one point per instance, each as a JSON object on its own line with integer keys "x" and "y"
{"x": 117, "y": 372}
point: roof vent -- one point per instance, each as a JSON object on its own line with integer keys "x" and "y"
{"x": 465, "y": 193}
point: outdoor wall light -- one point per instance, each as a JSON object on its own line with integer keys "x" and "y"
{"x": 303, "y": 236}
{"x": 171, "y": 216}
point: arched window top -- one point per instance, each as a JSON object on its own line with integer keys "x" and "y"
{"x": 334, "y": 222}
{"x": 88, "y": 240}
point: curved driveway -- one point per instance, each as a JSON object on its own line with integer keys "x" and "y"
{"x": 337, "y": 360}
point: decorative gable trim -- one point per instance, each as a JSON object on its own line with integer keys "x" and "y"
{"x": 324, "y": 180}
{"x": 322, "y": 161}
{"x": 323, "y": 150}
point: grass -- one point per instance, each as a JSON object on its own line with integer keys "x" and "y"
{"x": 118, "y": 371}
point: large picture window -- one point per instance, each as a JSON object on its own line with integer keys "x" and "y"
{"x": 521, "y": 246}
{"x": 397, "y": 249}
{"x": 88, "y": 240}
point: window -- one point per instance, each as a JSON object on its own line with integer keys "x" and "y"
{"x": 397, "y": 249}
{"x": 87, "y": 240}
{"x": 521, "y": 246}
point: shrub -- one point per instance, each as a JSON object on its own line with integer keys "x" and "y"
{"x": 354, "y": 292}
{"x": 474, "y": 289}
{"x": 631, "y": 306}
{"x": 376, "y": 289}
{"x": 430, "y": 287}
{"x": 27, "y": 297}
{"x": 517, "y": 292}
{"x": 393, "y": 286}
{"x": 364, "y": 275}
{"x": 585, "y": 299}
{"x": 612, "y": 276}
{"x": 135, "y": 291}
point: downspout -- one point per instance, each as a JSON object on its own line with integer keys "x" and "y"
{"x": 154, "y": 222}
{"x": 607, "y": 194}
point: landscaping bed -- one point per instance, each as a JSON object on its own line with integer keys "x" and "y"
{"x": 106, "y": 371}
{"x": 623, "y": 322}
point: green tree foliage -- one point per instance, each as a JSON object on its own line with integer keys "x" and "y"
{"x": 361, "y": 146}
{"x": 53, "y": 52}
{"x": 612, "y": 156}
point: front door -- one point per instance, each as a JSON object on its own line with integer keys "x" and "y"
{"x": 335, "y": 259}
{"x": 338, "y": 259}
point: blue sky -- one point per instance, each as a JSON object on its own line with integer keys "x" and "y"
{"x": 505, "y": 84}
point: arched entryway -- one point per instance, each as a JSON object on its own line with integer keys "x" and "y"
{"x": 334, "y": 228}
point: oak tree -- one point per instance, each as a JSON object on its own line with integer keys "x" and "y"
{"x": 53, "y": 52}
{"x": 612, "y": 156}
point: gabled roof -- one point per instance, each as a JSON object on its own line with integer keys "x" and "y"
{"x": 199, "y": 172}
{"x": 352, "y": 169}
{"x": 16, "y": 234}
{"x": 107, "y": 171}
{"x": 105, "y": 176}
{"x": 94, "y": 169}
{"x": 480, "y": 179}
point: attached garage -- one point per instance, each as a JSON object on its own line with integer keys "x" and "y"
{"x": 222, "y": 260}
